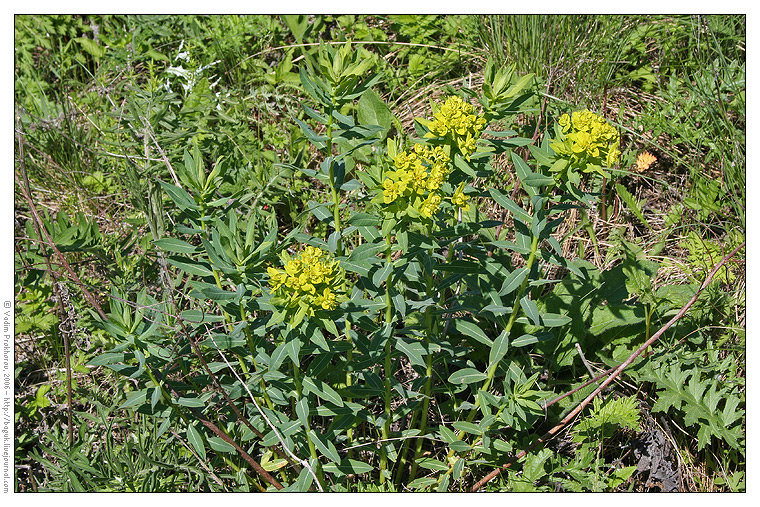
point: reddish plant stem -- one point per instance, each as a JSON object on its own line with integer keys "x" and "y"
{"x": 220, "y": 389}
{"x": 40, "y": 226}
{"x": 622, "y": 366}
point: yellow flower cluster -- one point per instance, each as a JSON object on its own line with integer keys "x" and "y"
{"x": 417, "y": 178}
{"x": 457, "y": 120}
{"x": 588, "y": 138}
{"x": 310, "y": 280}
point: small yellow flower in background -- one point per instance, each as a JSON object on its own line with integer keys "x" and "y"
{"x": 430, "y": 206}
{"x": 645, "y": 161}
{"x": 459, "y": 199}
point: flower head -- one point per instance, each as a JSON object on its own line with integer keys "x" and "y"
{"x": 459, "y": 199}
{"x": 587, "y": 141}
{"x": 644, "y": 161}
{"x": 456, "y": 119}
{"x": 311, "y": 281}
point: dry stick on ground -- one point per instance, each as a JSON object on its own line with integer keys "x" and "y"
{"x": 221, "y": 434}
{"x": 39, "y": 227}
{"x": 303, "y": 462}
{"x": 200, "y": 461}
{"x": 549, "y": 434}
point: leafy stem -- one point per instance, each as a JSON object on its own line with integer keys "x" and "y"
{"x": 387, "y": 363}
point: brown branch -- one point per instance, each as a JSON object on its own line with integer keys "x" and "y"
{"x": 40, "y": 226}
{"x": 221, "y": 434}
{"x": 263, "y": 473}
{"x": 622, "y": 366}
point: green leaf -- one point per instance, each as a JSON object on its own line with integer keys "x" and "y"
{"x": 220, "y": 445}
{"x": 191, "y": 402}
{"x": 457, "y": 469}
{"x": 373, "y": 111}
{"x": 467, "y": 427}
{"x": 305, "y": 479}
{"x": 458, "y": 266}
{"x": 432, "y": 464}
{"x": 447, "y": 435}
{"x": 320, "y": 211}
{"x": 92, "y": 47}
{"x": 554, "y": 319}
{"x": 460, "y": 446}
{"x": 298, "y": 24}
{"x": 524, "y": 173}
{"x": 634, "y": 205}
{"x": 136, "y": 398}
{"x": 302, "y": 411}
{"x": 213, "y": 292}
{"x": 106, "y": 358}
{"x": 513, "y": 281}
{"x": 467, "y": 376}
{"x": 325, "y": 446}
{"x": 190, "y": 266}
{"x": 175, "y": 245}
{"x": 196, "y": 440}
{"x": 499, "y": 349}
{"x": 510, "y": 205}
{"x": 538, "y": 180}
{"x": 348, "y": 466}
{"x": 412, "y": 349}
{"x": 278, "y": 357}
{"x": 529, "y": 339}
{"x": 472, "y": 330}
{"x": 180, "y": 197}
{"x": 422, "y": 482}
{"x": 530, "y": 309}
{"x": 322, "y": 390}
{"x": 364, "y": 220}
{"x": 366, "y": 251}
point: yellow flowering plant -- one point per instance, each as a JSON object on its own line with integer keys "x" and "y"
{"x": 308, "y": 284}
{"x": 413, "y": 186}
{"x": 584, "y": 142}
{"x": 419, "y": 181}
{"x": 456, "y": 122}
{"x": 437, "y": 311}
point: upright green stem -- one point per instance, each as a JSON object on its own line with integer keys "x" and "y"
{"x": 430, "y": 332}
{"x": 387, "y": 366}
{"x": 312, "y": 447}
{"x": 333, "y": 187}
{"x": 508, "y": 328}
{"x": 349, "y": 382}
